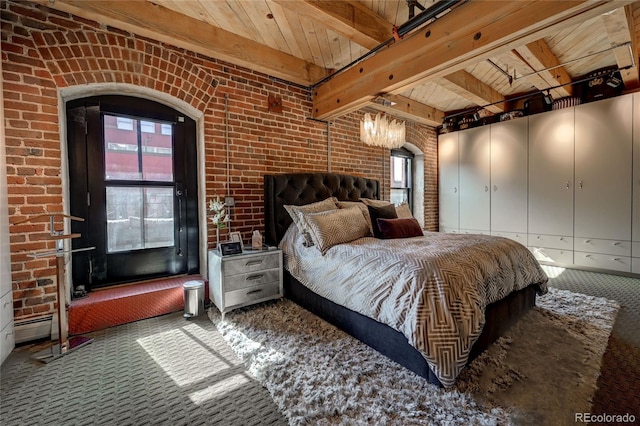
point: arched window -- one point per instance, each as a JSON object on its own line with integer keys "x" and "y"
{"x": 402, "y": 176}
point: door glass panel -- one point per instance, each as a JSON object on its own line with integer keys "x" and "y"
{"x": 137, "y": 149}
{"x": 139, "y": 218}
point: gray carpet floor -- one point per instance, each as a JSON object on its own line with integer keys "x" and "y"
{"x": 168, "y": 370}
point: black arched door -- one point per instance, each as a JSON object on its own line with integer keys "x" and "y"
{"x": 132, "y": 178}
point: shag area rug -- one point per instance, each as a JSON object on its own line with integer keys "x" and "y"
{"x": 542, "y": 372}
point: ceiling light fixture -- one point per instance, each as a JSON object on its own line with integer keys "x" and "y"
{"x": 380, "y": 131}
{"x": 548, "y": 99}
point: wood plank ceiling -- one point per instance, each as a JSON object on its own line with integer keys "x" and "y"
{"x": 475, "y": 54}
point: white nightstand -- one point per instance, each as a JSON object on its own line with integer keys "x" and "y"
{"x": 244, "y": 279}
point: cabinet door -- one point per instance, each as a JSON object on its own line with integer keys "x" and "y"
{"x": 603, "y": 164}
{"x": 636, "y": 169}
{"x": 475, "y": 178}
{"x": 448, "y": 190}
{"x": 509, "y": 176}
{"x": 551, "y": 143}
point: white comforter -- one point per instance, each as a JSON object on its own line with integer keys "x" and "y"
{"x": 433, "y": 289}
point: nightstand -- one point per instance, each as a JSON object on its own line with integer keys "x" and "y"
{"x": 244, "y": 279}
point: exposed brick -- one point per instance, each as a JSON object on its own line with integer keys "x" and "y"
{"x": 77, "y": 51}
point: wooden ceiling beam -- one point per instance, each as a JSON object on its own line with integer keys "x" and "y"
{"x": 620, "y": 30}
{"x": 159, "y": 23}
{"x": 349, "y": 18}
{"x": 409, "y": 109}
{"x": 467, "y": 86}
{"x": 538, "y": 56}
{"x": 473, "y": 32}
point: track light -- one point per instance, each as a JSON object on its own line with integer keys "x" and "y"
{"x": 548, "y": 99}
{"x": 476, "y": 116}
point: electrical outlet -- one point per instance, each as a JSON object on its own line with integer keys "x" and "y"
{"x": 229, "y": 201}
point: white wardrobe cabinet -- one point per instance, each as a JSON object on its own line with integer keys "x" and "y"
{"x": 551, "y": 146}
{"x": 475, "y": 180}
{"x": 448, "y": 185}
{"x": 603, "y": 183}
{"x": 603, "y": 169}
{"x": 509, "y": 179}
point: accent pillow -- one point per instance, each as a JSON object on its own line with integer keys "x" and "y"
{"x": 375, "y": 203}
{"x": 363, "y": 208}
{"x": 403, "y": 210}
{"x": 385, "y": 212}
{"x": 338, "y": 226}
{"x": 399, "y": 228}
{"x": 296, "y": 213}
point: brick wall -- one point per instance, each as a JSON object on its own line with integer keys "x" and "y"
{"x": 44, "y": 50}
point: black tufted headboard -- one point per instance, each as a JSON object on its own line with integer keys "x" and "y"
{"x": 305, "y": 188}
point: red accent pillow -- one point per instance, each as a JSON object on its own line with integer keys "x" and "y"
{"x": 399, "y": 228}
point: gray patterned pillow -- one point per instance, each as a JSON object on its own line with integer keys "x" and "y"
{"x": 336, "y": 227}
{"x": 297, "y": 214}
{"x": 363, "y": 209}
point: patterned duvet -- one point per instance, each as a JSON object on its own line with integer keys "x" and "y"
{"x": 433, "y": 289}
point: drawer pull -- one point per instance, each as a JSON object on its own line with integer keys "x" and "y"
{"x": 617, "y": 243}
{"x": 254, "y": 277}
{"x": 617, "y": 259}
{"x": 253, "y": 262}
{"x": 561, "y": 238}
{"x": 258, "y": 290}
{"x": 587, "y": 242}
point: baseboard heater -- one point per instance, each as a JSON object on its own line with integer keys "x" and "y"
{"x": 34, "y": 329}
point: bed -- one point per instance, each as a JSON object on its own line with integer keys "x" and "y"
{"x": 306, "y": 188}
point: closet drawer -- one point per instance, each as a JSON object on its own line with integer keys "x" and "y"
{"x": 519, "y": 237}
{"x": 6, "y": 309}
{"x": 551, "y": 241}
{"x": 7, "y": 341}
{"x": 474, "y": 231}
{"x": 592, "y": 245}
{"x": 448, "y": 230}
{"x": 635, "y": 249}
{"x": 602, "y": 261}
{"x": 550, "y": 255}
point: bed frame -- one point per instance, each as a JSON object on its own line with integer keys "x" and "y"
{"x": 305, "y": 188}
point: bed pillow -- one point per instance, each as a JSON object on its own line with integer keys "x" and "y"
{"x": 363, "y": 208}
{"x": 399, "y": 228}
{"x": 333, "y": 227}
{"x": 375, "y": 203}
{"x": 297, "y": 212}
{"x": 403, "y": 210}
{"x": 384, "y": 212}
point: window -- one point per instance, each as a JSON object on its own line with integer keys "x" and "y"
{"x": 401, "y": 181}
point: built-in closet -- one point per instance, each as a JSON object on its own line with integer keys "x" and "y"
{"x": 565, "y": 183}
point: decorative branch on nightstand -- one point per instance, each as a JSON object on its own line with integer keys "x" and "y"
{"x": 220, "y": 217}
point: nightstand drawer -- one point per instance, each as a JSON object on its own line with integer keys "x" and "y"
{"x": 248, "y": 263}
{"x": 250, "y": 294}
{"x": 251, "y": 279}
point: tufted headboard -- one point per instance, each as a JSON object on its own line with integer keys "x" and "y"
{"x": 305, "y": 188}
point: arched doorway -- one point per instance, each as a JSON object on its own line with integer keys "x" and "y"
{"x": 131, "y": 177}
